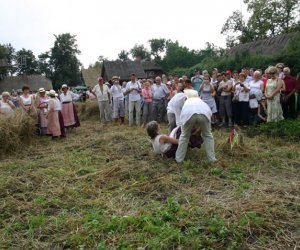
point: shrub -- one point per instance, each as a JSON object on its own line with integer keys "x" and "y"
{"x": 289, "y": 129}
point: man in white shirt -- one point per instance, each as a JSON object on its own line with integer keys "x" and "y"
{"x": 195, "y": 114}
{"x": 101, "y": 91}
{"x": 174, "y": 108}
{"x": 134, "y": 90}
{"x": 160, "y": 93}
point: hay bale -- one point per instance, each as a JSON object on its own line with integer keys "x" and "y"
{"x": 88, "y": 110}
{"x": 15, "y": 130}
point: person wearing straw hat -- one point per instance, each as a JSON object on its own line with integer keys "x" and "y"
{"x": 42, "y": 104}
{"x": 118, "y": 100}
{"x": 54, "y": 116}
{"x": 6, "y": 105}
{"x": 101, "y": 91}
{"x": 195, "y": 113}
{"x": 68, "y": 110}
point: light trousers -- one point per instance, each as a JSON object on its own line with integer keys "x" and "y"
{"x": 196, "y": 121}
{"x": 105, "y": 111}
{"x": 135, "y": 105}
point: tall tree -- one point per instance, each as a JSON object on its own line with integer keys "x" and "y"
{"x": 140, "y": 52}
{"x": 157, "y": 47}
{"x": 7, "y": 52}
{"x": 26, "y": 62}
{"x": 268, "y": 18}
{"x": 63, "y": 59}
{"x": 123, "y": 55}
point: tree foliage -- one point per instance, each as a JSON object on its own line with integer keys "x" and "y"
{"x": 157, "y": 47}
{"x": 61, "y": 63}
{"x": 26, "y": 62}
{"x": 139, "y": 51}
{"x": 268, "y": 18}
{"x": 123, "y": 55}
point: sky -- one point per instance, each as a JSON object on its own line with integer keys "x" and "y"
{"x": 107, "y": 27}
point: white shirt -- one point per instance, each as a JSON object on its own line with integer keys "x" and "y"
{"x": 134, "y": 95}
{"x": 175, "y": 106}
{"x": 160, "y": 148}
{"x": 117, "y": 93}
{"x": 240, "y": 91}
{"x": 26, "y": 100}
{"x": 68, "y": 97}
{"x": 255, "y": 87}
{"x": 56, "y": 104}
{"x": 193, "y": 106}
{"x": 101, "y": 95}
{"x": 5, "y": 107}
{"x": 160, "y": 91}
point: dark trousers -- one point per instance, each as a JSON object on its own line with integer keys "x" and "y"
{"x": 242, "y": 113}
{"x": 288, "y": 108}
{"x": 158, "y": 109}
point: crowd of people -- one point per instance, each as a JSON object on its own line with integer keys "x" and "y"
{"x": 54, "y": 113}
{"x": 220, "y": 99}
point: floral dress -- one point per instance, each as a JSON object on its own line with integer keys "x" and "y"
{"x": 274, "y": 107}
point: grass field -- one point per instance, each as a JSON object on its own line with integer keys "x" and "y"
{"x": 103, "y": 188}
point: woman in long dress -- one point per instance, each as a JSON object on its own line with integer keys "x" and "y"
{"x": 272, "y": 93}
{"x": 54, "y": 117}
{"x": 42, "y": 104}
{"x": 68, "y": 108}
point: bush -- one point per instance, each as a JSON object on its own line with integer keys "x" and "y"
{"x": 88, "y": 110}
{"x": 15, "y": 131}
{"x": 288, "y": 129}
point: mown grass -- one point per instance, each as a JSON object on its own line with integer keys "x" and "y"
{"x": 103, "y": 188}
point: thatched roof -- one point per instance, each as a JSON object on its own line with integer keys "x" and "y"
{"x": 149, "y": 65}
{"x": 122, "y": 69}
{"x": 90, "y": 76}
{"x": 266, "y": 46}
{"x": 33, "y": 81}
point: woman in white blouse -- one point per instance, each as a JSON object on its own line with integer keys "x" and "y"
{"x": 68, "y": 108}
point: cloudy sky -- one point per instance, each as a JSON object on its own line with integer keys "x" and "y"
{"x": 106, "y": 27}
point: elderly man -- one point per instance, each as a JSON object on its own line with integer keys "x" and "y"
{"x": 101, "y": 91}
{"x": 195, "y": 114}
{"x": 134, "y": 90}
{"x": 288, "y": 99}
{"x": 160, "y": 93}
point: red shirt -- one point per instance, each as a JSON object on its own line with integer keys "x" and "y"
{"x": 290, "y": 83}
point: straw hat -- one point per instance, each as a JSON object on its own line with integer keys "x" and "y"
{"x": 64, "y": 86}
{"x": 115, "y": 78}
{"x": 52, "y": 93}
{"x": 5, "y": 93}
{"x": 190, "y": 93}
{"x": 42, "y": 90}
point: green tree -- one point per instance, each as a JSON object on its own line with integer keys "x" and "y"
{"x": 44, "y": 65}
{"x": 63, "y": 59}
{"x": 140, "y": 52}
{"x": 26, "y": 62}
{"x": 157, "y": 47}
{"x": 98, "y": 63}
{"x": 7, "y": 52}
{"x": 123, "y": 55}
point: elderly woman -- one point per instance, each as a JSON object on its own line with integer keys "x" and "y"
{"x": 256, "y": 93}
{"x": 6, "y": 105}
{"x": 272, "y": 93}
{"x": 118, "y": 100}
{"x": 27, "y": 102}
{"x": 68, "y": 108}
{"x": 42, "y": 104}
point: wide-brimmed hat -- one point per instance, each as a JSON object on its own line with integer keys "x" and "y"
{"x": 64, "y": 86}
{"x": 189, "y": 93}
{"x": 115, "y": 78}
{"x": 5, "y": 93}
{"x": 52, "y": 93}
{"x": 42, "y": 90}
